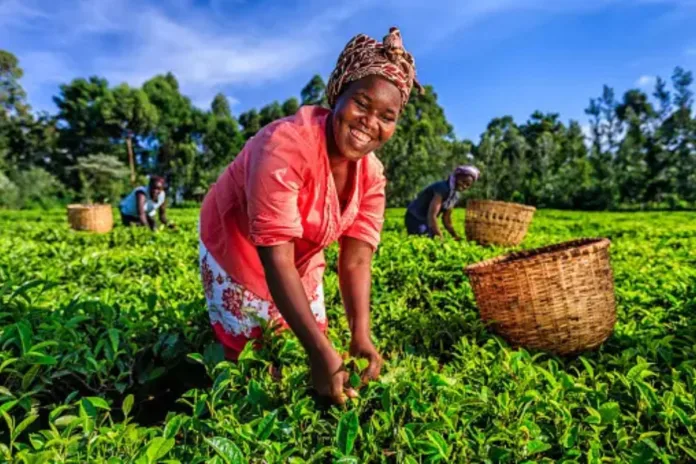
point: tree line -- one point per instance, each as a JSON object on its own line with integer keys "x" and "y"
{"x": 639, "y": 152}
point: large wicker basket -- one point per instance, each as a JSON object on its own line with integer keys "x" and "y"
{"x": 92, "y": 218}
{"x": 558, "y": 298}
{"x": 497, "y": 223}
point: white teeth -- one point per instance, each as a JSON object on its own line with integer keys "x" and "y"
{"x": 360, "y": 135}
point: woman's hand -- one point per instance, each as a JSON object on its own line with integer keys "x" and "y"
{"x": 362, "y": 347}
{"x": 329, "y": 376}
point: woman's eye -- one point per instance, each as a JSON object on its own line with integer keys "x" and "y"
{"x": 388, "y": 119}
{"x": 361, "y": 104}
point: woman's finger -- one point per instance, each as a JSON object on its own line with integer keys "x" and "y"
{"x": 374, "y": 368}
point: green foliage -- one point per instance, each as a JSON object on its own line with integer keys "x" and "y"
{"x": 103, "y": 178}
{"x": 420, "y": 151}
{"x": 220, "y": 107}
{"x": 639, "y": 152}
{"x": 106, "y": 356}
{"x": 314, "y": 93}
{"x": 37, "y": 187}
{"x": 12, "y": 95}
{"x": 290, "y": 106}
{"x": 9, "y": 192}
{"x": 251, "y": 121}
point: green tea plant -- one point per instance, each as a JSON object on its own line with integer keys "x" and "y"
{"x": 106, "y": 356}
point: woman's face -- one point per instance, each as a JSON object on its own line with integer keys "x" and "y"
{"x": 464, "y": 181}
{"x": 156, "y": 189}
{"x": 365, "y": 116}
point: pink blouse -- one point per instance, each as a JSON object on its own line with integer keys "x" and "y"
{"x": 280, "y": 189}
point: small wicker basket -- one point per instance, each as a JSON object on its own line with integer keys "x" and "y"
{"x": 496, "y": 222}
{"x": 92, "y": 218}
{"x": 558, "y": 298}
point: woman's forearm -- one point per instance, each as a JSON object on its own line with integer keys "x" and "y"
{"x": 432, "y": 224}
{"x": 433, "y": 211}
{"x": 163, "y": 215}
{"x": 289, "y": 296}
{"x": 142, "y": 215}
{"x": 447, "y": 221}
{"x": 355, "y": 281}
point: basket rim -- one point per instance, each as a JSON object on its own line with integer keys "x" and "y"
{"x": 86, "y": 206}
{"x": 501, "y": 203}
{"x": 562, "y": 249}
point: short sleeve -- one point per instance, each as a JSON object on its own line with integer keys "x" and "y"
{"x": 370, "y": 218}
{"x": 274, "y": 176}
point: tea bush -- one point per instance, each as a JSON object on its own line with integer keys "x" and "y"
{"x": 106, "y": 356}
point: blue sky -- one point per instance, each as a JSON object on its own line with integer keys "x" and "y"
{"x": 485, "y": 58}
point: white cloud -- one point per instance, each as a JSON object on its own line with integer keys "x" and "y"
{"x": 204, "y": 51}
{"x": 17, "y": 13}
{"x": 645, "y": 82}
{"x": 41, "y": 68}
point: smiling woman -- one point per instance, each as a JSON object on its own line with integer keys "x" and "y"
{"x": 300, "y": 184}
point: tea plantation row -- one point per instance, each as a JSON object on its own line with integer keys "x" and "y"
{"x": 106, "y": 356}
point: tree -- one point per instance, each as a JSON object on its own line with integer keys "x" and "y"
{"x": 290, "y": 106}
{"x": 30, "y": 141}
{"x": 129, "y": 116}
{"x": 36, "y": 187}
{"x": 663, "y": 96}
{"x": 635, "y": 104}
{"x": 179, "y": 132}
{"x": 251, "y": 122}
{"x": 603, "y": 134}
{"x": 12, "y": 95}
{"x": 421, "y": 151}
{"x": 103, "y": 178}
{"x": 222, "y": 141}
{"x": 682, "y": 131}
{"x": 270, "y": 113}
{"x": 314, "y": 93}
{"x": 220, "y": 107}
{"x": 82, "y": 129}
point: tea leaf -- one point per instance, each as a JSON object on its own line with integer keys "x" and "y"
{"x": 265, "y": 427}
{"x": 98, "y": 402}
{"x": 228, "y": 451}
{"x": 347, "y": 432}
{"x": 439, "y": 443}
{"x": 25, "y": 336}
{"x": 64, "y": 421}
{"x": 537, "y": 446}
{"x": 23, "y": 425}
{"x": 158, "y": 448}
{"x": 114, "y": 339}
{"x": 609, "y": 412}
{"x": 127, "y": 405}
{"x": 41, "y": 359}
{"x": 355, "y": 381}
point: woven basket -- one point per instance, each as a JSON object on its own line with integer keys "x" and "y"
{"x": 558, "y": 298}
{"x": 92, "y": 218}
{"x": 496, "y": 222}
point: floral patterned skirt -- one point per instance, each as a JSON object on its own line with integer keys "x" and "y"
{"x": 235, "y": 311}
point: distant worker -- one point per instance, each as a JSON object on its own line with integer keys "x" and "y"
{"x": 143, "y": 203}
{"x": 439, "y": 198}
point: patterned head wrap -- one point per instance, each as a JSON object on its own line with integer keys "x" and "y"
{"x": 466, "y": 170}
{"x": 364, "y": 56}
